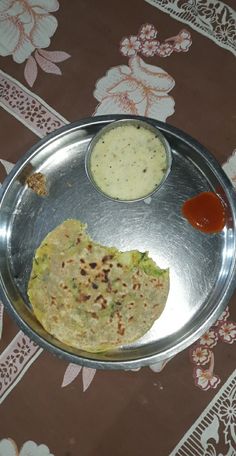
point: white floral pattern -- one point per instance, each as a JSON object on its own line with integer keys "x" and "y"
{"x": 227, "y": 411}
{"x": 158, "y": 367}
{"x": 28, "y": 109}
{"x": 215, "y": 429}
{"x": 182, "y": 41}
{"x": 145, "y": 44}
{"x": 147, "y": 32}
{"x": 130, "y": 46}
{"x": 165, "y": 50}
{"x": 73, "y": 370}
{"x": 227, "y": 332}
{"x": 149, "y": 48}
{"x": 201, "y": 353}
{"x": 139, "y": 89}
{"x": 224, "y": 316}
{"x": 209, "y": 339}
{"x": 206, "y": 379}
{"x": 9, "y": 448}
{"x": 27, "y": 26}
{"x": 214, "y": 19}
{"x": 15, "y": 360}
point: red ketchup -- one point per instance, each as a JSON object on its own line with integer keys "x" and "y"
{"x": 205, "y": 212}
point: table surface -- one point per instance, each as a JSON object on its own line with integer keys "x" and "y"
{"x": 170, "y": 60}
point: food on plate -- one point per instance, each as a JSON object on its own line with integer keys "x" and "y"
{"x": 205, "y": 212}
{"x": 37, "y": 183}
{"x": 128, "y": 162}
{"x": 94, "y": 297}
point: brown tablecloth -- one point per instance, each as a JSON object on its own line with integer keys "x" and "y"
{"x": 62, "y": 61}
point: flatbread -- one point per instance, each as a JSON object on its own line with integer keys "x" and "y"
{"x": 94, "y": 297}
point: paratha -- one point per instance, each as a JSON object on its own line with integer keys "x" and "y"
{"x": 93, "y": 297}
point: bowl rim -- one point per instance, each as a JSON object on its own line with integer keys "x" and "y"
{"x": 112, "y": 126}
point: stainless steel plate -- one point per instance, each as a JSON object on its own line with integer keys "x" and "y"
{"x": 202, "y": 266}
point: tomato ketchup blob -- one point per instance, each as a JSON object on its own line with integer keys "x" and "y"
{"x": 205, "y": 212}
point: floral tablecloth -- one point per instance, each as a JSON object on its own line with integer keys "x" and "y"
{"x": 172, "y": 60}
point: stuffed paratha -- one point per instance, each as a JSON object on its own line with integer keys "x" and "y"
{"x": 94, "y": 297}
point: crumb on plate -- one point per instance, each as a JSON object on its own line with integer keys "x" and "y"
{"x": 37, "y": 183}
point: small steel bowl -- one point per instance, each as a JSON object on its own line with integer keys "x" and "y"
{"x": 112, "y": 126}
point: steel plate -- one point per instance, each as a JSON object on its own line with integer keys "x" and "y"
{"x": 202, "y": 266}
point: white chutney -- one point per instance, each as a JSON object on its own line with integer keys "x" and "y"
{"x": 128, "y": 162}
